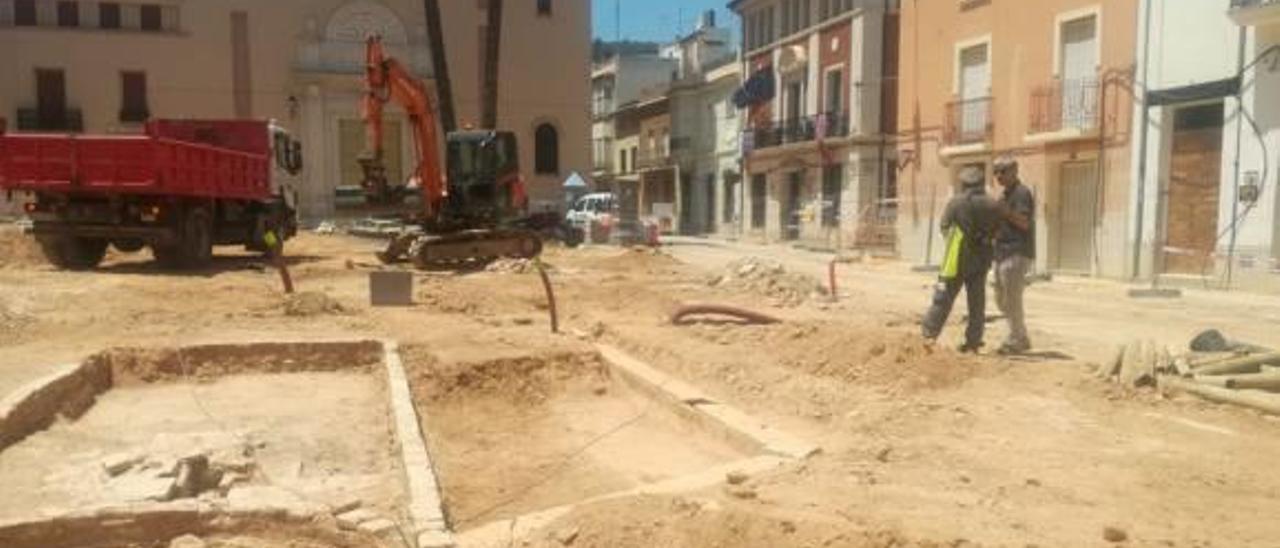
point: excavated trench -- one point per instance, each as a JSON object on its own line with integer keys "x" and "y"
{"x": 225, "y": 445}
{"x": 518, "y": 435}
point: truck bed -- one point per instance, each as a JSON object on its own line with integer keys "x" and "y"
{"x": 151, "y": 164}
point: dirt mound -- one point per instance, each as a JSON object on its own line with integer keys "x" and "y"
{"x": 862, "y": 354}
{"x": 311, "y": 303}
{"x": 769, "y": 278}
{"x": 18, "y": 250}
{"x": 679, "y": 522}
{"x": 637, "y": 260}
{"x": 524, "y": 380}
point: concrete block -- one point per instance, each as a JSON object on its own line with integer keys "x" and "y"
{"x": 380, "y": 527}
{"x": 141, "y": 488}
{"x": 119, "y": 463}
{"x": 391, "y": 288}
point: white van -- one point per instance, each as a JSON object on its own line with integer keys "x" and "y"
{"x": 588, "y": 209}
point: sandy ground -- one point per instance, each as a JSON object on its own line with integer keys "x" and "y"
{"x": 921, "y": 446}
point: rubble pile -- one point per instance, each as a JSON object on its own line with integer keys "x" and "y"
{"x": 180, "y": 466}
{"x": 512, "y": 266}
{"x": 771, "y": 279}
{"x": 311, "y": 303}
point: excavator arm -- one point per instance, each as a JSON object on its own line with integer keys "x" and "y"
{"x": 386, "y": 80}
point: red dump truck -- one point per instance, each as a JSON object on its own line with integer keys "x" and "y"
{"x": 180, "y": 188}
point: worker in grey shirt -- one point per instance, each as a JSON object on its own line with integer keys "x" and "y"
{"x": 977, "y": 215}
{"x": 1015, "y": 252}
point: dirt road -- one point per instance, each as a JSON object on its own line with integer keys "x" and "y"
{"x": 921, "y": 446}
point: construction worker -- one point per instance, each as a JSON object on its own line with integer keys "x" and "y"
{"x": 969, "y": 224}
{"x": 1015, "y": 252}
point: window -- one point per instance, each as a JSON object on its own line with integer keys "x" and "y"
{"x": 727, "y": 188}
{"x": 24, "y": 13}
{"x": 68, "y": 14}
{"x": 133, "y": 94}
{"x": 151, "y": 19}
{"x": 832, "y": 188}
{"x": 544, "y": 8}
{"x": 635, "y": 150}
{"x": 51, "y": 97}
{"x": 758, "y": 186}
{"x": 109, "y": 15}
{"x": 546, "y": 150}
{"x": 835, "y": 92}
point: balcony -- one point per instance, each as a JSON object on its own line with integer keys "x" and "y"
{"x": 1068, "y": 108}
{"x": 653, "y": 159}
{"x": 832, "y": 125}
{"x": 602, "y": 155}
{"x": 968, "y": 122}
{"x": 1255, "y": 12}
{"x": 71, "y": 120}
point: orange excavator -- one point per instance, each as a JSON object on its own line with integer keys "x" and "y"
{"x": 473, "y": 203}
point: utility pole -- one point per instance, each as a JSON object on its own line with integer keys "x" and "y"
{"x": 440, "y": 66}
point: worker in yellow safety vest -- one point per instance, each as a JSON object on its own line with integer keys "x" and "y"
{"x": 969, "y": 224}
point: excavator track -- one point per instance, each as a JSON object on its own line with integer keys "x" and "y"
{"x": 457, "y": 249}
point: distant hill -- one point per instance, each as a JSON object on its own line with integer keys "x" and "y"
{"x": 601, "y": 49}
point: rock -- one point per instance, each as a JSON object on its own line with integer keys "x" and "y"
{"x": 187, "y": 541}
{"x": 736, "y": 477}
{"x": 600, "y": 390}
{"x": 193, "y": 477}
{"x": 120, "y": 463}
{"x": 788, "y": 527}
{"x": 1114, "y": 534}
{"x": 522, "y": 321}
{"x": 883, "y": 454}
{"x": 567, "y": 536}
{"x": 351, "y": 520}
{"x": 380, "y": 526}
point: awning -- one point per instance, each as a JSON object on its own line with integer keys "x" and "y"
{"x": 1195, "y": 92}
{"x": 759, "y": 88}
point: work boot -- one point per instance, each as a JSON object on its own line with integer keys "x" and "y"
{"x": 970, "y": 348}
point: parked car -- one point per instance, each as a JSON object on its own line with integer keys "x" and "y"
{"x": 589, "y": 209}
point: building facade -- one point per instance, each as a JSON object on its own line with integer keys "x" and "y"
{"x": 704, "y": 127}
{"x": 818, "y": 154}
{"x": 617, "y": 84}
{"x": 1049, "y": 82}
{"x": 97, "y": 66}
{"x": 1204, "y": 202}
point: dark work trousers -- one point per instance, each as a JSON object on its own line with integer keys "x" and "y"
{"x": 944, "y": 296}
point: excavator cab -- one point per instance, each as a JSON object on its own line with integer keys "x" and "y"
{"x": 483, "y": 175}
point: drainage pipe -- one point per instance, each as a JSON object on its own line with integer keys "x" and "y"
{"x": 551, "y": 296}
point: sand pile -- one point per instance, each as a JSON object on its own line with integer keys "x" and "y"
{"x": 769, "y": 278}
{"x": 18, "y": 250}
{"x": 311, "y": 303}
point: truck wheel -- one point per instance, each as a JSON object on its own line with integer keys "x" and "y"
{"x": 194, "y": 248}
{"x": 74, "y": 253}
{"x": 128, "y": 246}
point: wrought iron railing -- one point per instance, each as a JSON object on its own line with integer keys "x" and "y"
{"x": 1065, "y": 104}
{"x": 831, "y": 125}
{"x": 69, "y": 120}
{"x": 969, "y": 121}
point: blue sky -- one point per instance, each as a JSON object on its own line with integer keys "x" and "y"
{"x": 657, "y": 20}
